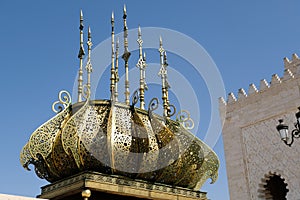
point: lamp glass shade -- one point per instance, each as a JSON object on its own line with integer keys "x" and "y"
{"x": 283, "y": 130}
{"x": 284, "y": 134}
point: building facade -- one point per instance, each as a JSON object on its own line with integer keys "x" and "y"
{"x": 259, "y": 164}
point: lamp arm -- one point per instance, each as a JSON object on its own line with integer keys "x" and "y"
{"x": 296, "y": 131}
{"x": 295, "y": 134}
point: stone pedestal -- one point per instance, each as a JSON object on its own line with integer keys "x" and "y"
{"x": 113, "y": 187}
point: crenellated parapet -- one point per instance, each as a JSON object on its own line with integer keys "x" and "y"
{"x": 292, "y": 64}
{"x": 291, "y": 71}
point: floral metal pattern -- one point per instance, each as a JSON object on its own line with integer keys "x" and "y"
{"x": 114, "y": 138}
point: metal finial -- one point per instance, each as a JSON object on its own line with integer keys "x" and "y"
{"x": 165, "y": 59}
{"x": 112, "y": 21}
{"x": 81, "y": 26}
{"x": 118, "y": 42}
{"x": 117, "y": 70}
{"x": 125, "y": 57}
{"x": 88, "y": 67}
{"x": 139, "y": 31}
{"x": 160, "y": 41}
{"x": 163, "y": 74}
{"x": 81, "y": 15}
{"x": 142, "y": 66}
{"x": 161, "y": 49}
{"x": 81, "y": 21}
{"x": 124, "y": 10}
{"x": 144, "y": 76}
{"x": 80, "y": 56}
{"x": 89, "y": 33}
{"x": 112, "y": 70}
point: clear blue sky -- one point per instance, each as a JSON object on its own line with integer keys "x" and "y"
{"x": 39, "y": 44}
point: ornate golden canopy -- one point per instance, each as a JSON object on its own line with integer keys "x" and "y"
{"x": 111, "y": 137}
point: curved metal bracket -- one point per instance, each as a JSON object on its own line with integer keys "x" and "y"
{"x": 64, "y": 100}
{"x": 171, "y": 111}
{"x": 153, "y": 105}
{"x": 135, "y": 98}
{"x": 295, "y": 134}
{"x": 184, "y": 118}
{"x": 86, "y": 92}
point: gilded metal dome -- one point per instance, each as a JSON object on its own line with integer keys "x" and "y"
{"x": 117, "y": 138}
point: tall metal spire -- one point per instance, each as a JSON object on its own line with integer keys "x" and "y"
{"x": 117, "y": 70}
{"x": 167, "y": 85}
{"x": 88, "y": 67}
{"x": 112, "y": 70}
{"x": 163, "y": 74}
{"x": 145, "y": 83}
{"x": 142, "y": 66}
{"x": 125, "y": 57}
{"x": 80, "y": 56}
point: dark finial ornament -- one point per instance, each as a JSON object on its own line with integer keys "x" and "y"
{"x": 124, "y": 12}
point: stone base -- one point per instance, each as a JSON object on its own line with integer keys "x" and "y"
{"x": 113, "y": 187}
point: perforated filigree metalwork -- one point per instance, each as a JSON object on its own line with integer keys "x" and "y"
{"x": 114, "y": 138}
{"x": 149, "y": 160}
{"x": 71, "y": 133}
{"x": 40, "y": 144}
{"x": 120, "y": 139}
{"x": 93, "y": 140}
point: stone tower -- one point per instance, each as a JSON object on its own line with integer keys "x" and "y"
{"x": 259, "y": 164}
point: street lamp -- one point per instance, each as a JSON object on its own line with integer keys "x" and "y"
{"x": 284, "y": 133}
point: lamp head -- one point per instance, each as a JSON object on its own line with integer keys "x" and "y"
{"x": 283, "y": 130}
{"x": 298, "y": 116}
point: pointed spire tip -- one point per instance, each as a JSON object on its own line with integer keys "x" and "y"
{"x": 89, "y": 33}
{"x": 124, "y": 8}
{"x": 124, "y": 12}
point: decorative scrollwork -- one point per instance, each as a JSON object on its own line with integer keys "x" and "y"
{"x": 296, "y": 132}
{"x": 114, "y": 139}
{"x": 86, "y": 92}
{"x": 185, "y": 119}
{"x": 25, "y": 157}
{"x": 135, "y": 98}
{"x": 64, "y": 100}
{"x": 171, "y": 110}
{"x": 72, "y": 131}
{"x": 153, "y": 105}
